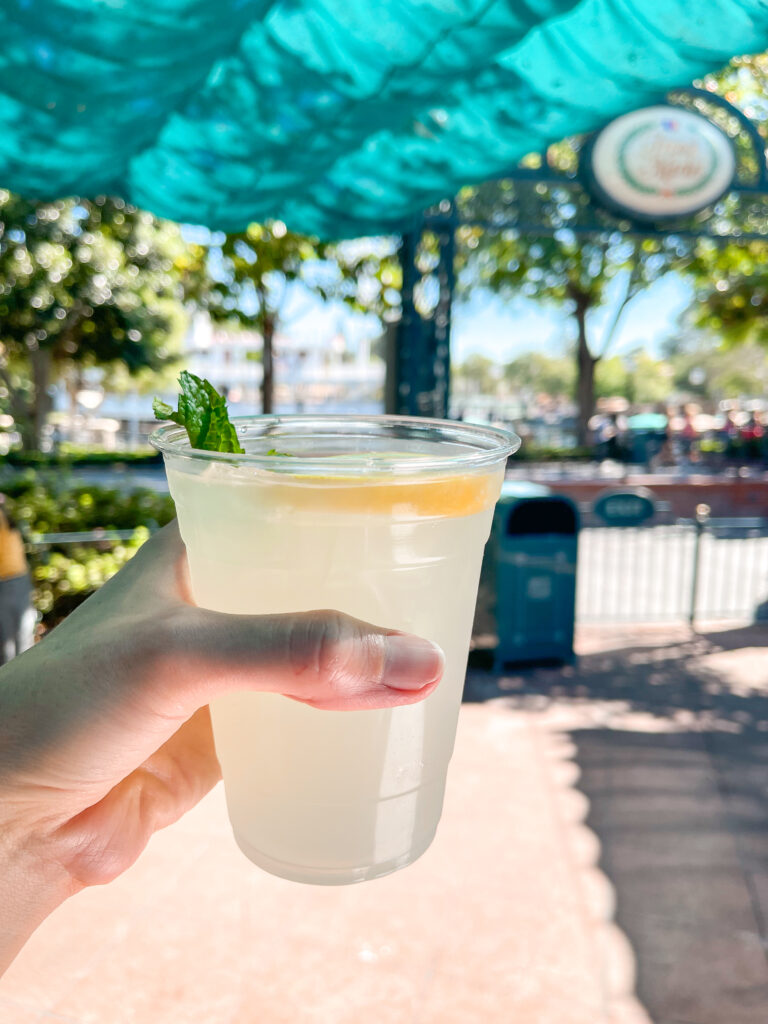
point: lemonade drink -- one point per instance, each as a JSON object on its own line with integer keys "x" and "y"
{"x": 392, "y": 534}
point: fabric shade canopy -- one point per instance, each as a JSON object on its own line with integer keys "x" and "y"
{"x": 342, "y": 117}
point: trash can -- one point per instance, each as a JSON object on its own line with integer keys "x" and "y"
{"x": 645, "y": 445}
{"x": 534, "y": 541}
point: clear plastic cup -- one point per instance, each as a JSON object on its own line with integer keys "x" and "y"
{"x": 384, "y": 518}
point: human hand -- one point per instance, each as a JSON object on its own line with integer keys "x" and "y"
{"x": 105, "y": 734}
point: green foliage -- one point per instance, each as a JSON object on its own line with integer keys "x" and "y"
{"x": 477, "y": 375}
{"x": 62, "y": 580}
{"x": 706, "y": 370}
{"x": 536, "y": 373}
{"x": 85, "y": 283}
{"x": 71, "y": 456}
{"x": 561, "y": 267}
{"x": 251, "y": 269}
{"x": 578, "y": 273}
{"x": 530, "y": 452}
{"x": 731, "y": 292}
{"x": 612, "y": 378}
{"x": 637, "y": 376}
{"x": 65, "y": 574}
{"x": 43, "y": 503}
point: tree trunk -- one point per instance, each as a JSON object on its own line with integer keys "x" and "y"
{"x": 26, "y": 429}
{"x": 585, "y": 382}
{"x": 41, "y": 363}
{"x": 267, "y": 380}
{"x": 74, "y": 385}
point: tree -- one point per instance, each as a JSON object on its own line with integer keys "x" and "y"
{"x": 612, "y": 378}
{"x": 705, "y": 369}
{"x": 479, "y": 374}
{"x": 253, "y": 268}
{"x": 636, "y": 376}
{"x": 538, "y": 373}
{"x": 731, "y": 280}
{"x": 584, "y": 275}
{"x": 84, "y": 283}
{"x": 731, "y": 292}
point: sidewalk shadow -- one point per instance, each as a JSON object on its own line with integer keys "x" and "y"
{"x": 672, "y": 748}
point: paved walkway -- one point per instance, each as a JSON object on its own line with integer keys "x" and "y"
{"x": 602, "y": 859}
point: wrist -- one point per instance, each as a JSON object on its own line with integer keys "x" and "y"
{"x": 30, "y": 890}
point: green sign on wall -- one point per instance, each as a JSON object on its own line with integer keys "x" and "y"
{"x": 625, "y": 508}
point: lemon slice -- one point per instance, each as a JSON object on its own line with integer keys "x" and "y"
{"x": 459, "y": 495}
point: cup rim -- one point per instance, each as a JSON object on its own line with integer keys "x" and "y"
{"x": 486, "y": 445}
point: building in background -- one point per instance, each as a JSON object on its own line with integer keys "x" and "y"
{"x": 321, "y": 375}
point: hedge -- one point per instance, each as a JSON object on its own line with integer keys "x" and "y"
{"x": 71, "y": 456}
{"x": 65, "y": 574}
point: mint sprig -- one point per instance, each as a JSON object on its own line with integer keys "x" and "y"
{"x": 203, "y": 413}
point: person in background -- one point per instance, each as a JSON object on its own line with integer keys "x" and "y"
{"x": 689, "y": 438}
{"x": 607, "y": 437}
{"x": 751, "y": 435}
{"x": 17, "y": 616}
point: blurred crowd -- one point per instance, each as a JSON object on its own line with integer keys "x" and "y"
{"x": 682, "y": 436}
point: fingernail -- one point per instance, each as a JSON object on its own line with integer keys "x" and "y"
{"x": 411, "y": 663}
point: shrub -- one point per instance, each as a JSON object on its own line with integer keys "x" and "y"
{"x": 63, "y": 581}
{"x": 71, "y": 455}
{"x": 532, "y": 452}
{"x": 64, "y": 574}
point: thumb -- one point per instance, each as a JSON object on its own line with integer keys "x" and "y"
{"x": 323, "y": 658}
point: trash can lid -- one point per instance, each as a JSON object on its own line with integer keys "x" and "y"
{"x": 542, "y": 514}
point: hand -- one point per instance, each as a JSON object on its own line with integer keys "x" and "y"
{"x": 105, "y": 734}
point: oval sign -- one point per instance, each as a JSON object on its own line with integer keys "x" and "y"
{"x": 661, "y": 161}
{"x": 625, "y": 508}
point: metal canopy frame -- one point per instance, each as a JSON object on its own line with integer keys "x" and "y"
{"x": 418, "y": 367}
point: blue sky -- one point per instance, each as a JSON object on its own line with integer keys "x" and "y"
{"x": 491, "y": 326}
{"x": 504, "y": 329}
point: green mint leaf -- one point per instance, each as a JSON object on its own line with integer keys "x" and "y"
{"x": 203, "y": 413}
{"x": 163, "y": 411}
{"x": 284, "y": 455}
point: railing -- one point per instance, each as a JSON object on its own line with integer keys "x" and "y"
{"x": 41, "y": 540}
{"x": 705, "y": 569}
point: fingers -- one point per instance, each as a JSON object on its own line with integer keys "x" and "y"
{"x": 105, "y": 838}
{"x": 324, "y": 658}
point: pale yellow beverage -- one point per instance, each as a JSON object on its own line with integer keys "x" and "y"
{"x": 384, "y": 519}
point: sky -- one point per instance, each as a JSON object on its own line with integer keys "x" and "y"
{"x": 498, "y": 328}
{"x": 504, "y": 329}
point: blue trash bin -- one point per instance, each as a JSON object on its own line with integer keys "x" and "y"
{"x": 645, "y": 445}
{"x": 534, "y": 545}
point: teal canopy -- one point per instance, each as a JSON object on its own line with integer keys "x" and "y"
{"x": 342, "y": 117}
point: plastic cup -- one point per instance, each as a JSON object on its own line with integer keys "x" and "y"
{"x": 384, "y": 518}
